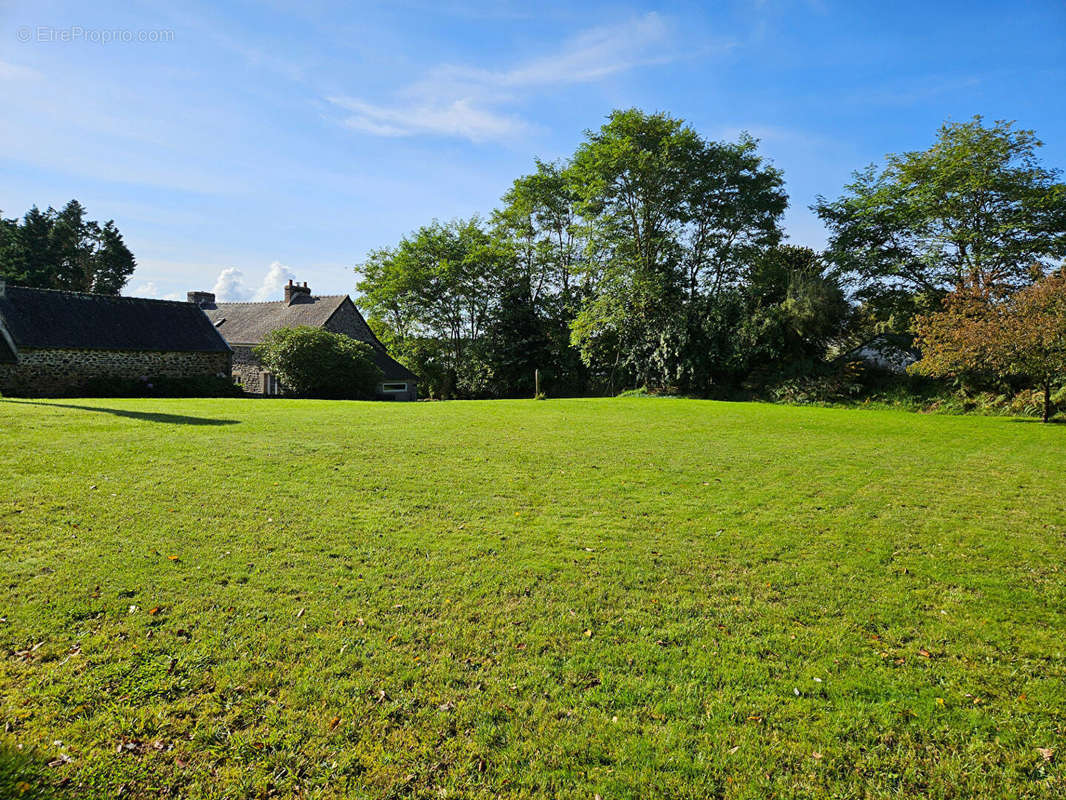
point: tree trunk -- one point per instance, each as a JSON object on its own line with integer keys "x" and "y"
{"x": 1047, "y": 400}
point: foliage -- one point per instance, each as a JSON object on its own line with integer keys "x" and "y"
{"x": 64, "y": 250}
{"x": 312, "y": 362}
{"x": 368, "y": 600}
{"x": 443, "y": 282}
{"x": 676, "y": 219}
{"x": 976, "y": 211}
{"x": 1024, "y": 334}
{"x": 652, "y": 257}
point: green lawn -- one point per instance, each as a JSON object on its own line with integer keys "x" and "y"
{"x": 625, "y": 598}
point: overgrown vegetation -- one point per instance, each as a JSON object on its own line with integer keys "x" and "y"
{"x": 629, "y": 598}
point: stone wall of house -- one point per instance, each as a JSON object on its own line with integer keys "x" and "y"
{"x": 44, "y": 373}
{"x": 350, "y": 322}
{"x": 247, "y": 371}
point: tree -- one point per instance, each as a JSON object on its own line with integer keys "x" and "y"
{"x": 792, "y": 286}
{"x": 975, "y": 211}
{"x": 64, "y": 250}
{"x": 1024, "y": 334}
{"x": 442, "y": 281}
{"x": 317, "y": 363}
{"x": 531, "y": 325}
{"x": 673, "y": 219}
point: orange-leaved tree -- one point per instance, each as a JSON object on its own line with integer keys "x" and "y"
{"x": 1023, "y": 335}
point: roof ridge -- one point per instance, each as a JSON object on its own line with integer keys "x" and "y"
{"x": 271, "y": 302}
{"x": 99, "y": 295}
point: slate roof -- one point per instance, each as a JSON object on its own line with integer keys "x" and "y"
{"x": 249, "y": 324}
{"x": 51, "y": 319}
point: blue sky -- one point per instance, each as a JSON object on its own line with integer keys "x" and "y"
{"x": 243, "y": 143}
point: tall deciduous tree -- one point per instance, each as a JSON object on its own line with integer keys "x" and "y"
{"x": 675, "y": 219}
{"x": 443, "y": 281}
{"x": 64, "y": 250}
{"x": 976, "y": 210}
{"x": 531, "y": 326}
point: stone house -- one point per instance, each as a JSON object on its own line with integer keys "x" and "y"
{"x": 55, "y": 342}
{"x": 244, "y": 325}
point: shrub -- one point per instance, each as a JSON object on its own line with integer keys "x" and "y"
{"x": 315, "y": 363}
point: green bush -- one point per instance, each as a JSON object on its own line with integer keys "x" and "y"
{"x": 311, "y": 362}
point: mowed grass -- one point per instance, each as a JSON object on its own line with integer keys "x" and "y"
{"x": 624, "y": 598}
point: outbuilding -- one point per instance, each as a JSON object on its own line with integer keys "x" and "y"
{"x": 55, "y": 343}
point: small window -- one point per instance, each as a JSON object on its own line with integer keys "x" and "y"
{"x": 394, "y": 387}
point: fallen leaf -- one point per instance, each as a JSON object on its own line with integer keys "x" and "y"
{"x": 153, "y": 611}
{"x": 816, "y": 756}
{"x": 1047, "y": 752}
{"x": 588, "y": 632}
{"x": 734, "y": 748}
{"x": 173, "y": 558}
{"x": 333, "y": 723}
{"x": 924, "y": 653}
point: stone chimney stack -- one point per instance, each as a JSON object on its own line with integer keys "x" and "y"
{"x": 294, "y": 292}
{"x": 202, "y": 299}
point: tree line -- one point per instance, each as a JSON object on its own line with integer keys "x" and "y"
{"x": 654, "y": 257}
{"x": 64, "y": 250}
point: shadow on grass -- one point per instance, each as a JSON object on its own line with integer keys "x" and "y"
{"x": 26, "y": 776}
{"x": 172, "y": 419}
{"x": 1039, "y": 421}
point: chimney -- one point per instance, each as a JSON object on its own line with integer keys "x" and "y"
{"x": 202, "y": 299}
{"x": 294, "y": 292}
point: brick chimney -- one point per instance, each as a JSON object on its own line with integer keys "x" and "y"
{"x": 202, "y": 299}
{"x": 294, "y": 292}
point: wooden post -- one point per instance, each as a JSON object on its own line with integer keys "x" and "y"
{"x": 536, "y": 383}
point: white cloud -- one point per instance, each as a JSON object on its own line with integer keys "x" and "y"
{"x": 273, "y": 284}
{"x": 231, "y": 286}
{"x": 151, "y": 289}
{"x": 460, "y": 118}
{"x": 463, "y": 101}
{"x": 16, "y": 72}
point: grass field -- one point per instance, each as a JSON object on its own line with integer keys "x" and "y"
{"x": 623, "y": 598}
